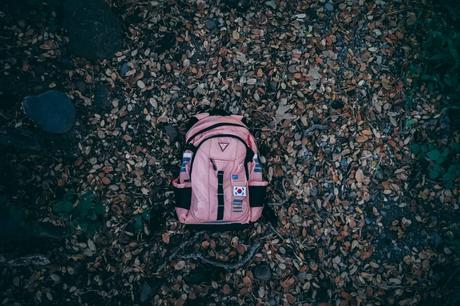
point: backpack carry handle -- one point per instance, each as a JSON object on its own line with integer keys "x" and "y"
{"x": 215, "y": 112}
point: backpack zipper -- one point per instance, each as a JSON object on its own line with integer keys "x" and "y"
{"x": 213, "y": 127}
{"x": 216, "y": 136}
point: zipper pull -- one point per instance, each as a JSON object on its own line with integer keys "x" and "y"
{"x": 213, "y": 164}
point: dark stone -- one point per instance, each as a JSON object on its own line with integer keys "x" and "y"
{"x": 272, "y": 86}
{"x": 148, "y": 289}
{"x": 101, "y": 97}
{"x": 343, "y": 164}
{"x": 171, "y": 131}
{"x": 124, "y": 69}
{"x": 436, "y": 240}
{"x": 378, "y": 174}
{"x": 272, "y": 302}
{"x": 314, "y": 191}
{"x": 146, "y": 292}
{"x": 94, "y": 31}
{"x": 52, "y": 111}
{"x": 211, "y": 24}
{"x": 262, "y": 272}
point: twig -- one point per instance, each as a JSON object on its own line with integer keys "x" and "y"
{"x": 177, "y": 250}
{"x": 226, "y": 266}
{"x": 286, "y": 198}
{"x": 393, "y": 12}
{"x": 276, "y": 232}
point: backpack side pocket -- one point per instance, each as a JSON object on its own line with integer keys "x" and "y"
{"x": 183, "y": 195}
{"x": 257, "y": 192}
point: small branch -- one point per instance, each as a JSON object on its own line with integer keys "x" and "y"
{"x": 286, "y": 198}
{"x": 227, "y": 266}
{"x": 177, "y": 250}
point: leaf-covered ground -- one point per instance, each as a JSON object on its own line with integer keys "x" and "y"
{"x": 354, "y": 218}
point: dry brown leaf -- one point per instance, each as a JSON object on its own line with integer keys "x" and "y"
{"x": 359, "y": 176}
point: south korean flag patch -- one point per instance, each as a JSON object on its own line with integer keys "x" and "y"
{"x": 239, "y": 191}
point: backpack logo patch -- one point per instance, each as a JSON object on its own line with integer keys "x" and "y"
{"x": 237, "y": 205}
{"x": 223, "y": 146}
{"x": 239, "y": 191}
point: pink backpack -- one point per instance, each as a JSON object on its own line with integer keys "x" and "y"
{"x": 220, "y": 180}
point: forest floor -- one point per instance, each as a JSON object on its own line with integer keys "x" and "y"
{"x": 353, "y": 218}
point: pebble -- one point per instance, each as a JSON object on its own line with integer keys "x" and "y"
{"x": 271, "y": 4}
{"x": 179, "y": 265}
{"x": 171, "y": 132}
{"x": 124, "y": 69}
{"x": 140, "y": 84}
{"x": 146, "y": 292}
{"x": 296, "y": 219}
{"x": 211, "y": 24}
{"x": 262, "y": 272}
{"x": 329, "y": 7}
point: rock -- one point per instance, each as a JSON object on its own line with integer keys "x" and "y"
{"x": 148, "y": 289}
{"x": 94, "y": 30}
{"x": 179, "y": 265}
{"x": 171, "y": 131}
{"x": 146, "y": 292}
{"x": 296, "y": 219}
{"x": 272, "y": 302}
{"x": 344, "y": 164}
{"x": 314, "y": 191}
{"x": 271, "y": 4}
{"x": 436, "y": 240}
{"x": 329, "y": 7}
{"x": 140, "y": 84}
{"x": 124, "y": 69}
{"x": 262, "y": 272}
{"x": 52, "y": 111}
{"x": 211, "y": 24}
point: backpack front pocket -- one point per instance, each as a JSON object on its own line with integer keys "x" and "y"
{"x": 239, "y": 200}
